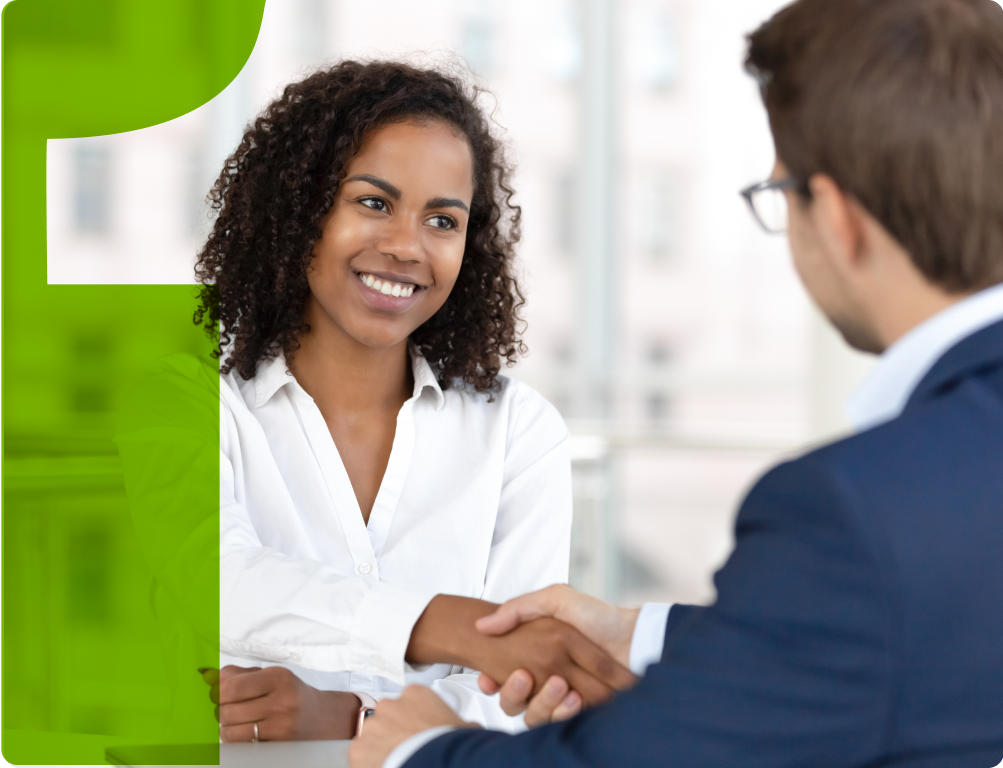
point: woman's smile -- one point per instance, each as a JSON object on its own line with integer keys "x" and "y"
{"x": 388, "y": 292}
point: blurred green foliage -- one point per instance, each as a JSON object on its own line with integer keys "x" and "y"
{"x": 81, "y": 650}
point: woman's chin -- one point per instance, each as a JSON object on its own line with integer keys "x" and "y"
{"x": 379, "y": 339}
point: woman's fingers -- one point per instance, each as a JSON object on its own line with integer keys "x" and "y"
{"x": 232, "y": 670}
{"x": 244, "y": 732}
{"x": 243, "y": 712}
{"x": 210, "y": 675}
{"x": 249, "y": 683}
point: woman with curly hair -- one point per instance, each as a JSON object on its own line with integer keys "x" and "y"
{"x": 380, "y": 481}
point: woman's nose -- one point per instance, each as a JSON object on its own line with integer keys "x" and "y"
{"x": 401, "y": 240}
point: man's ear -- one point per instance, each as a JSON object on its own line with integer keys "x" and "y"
{"x": 838, "y": 225}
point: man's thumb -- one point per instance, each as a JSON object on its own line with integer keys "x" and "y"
{"x": 503, "y": 620}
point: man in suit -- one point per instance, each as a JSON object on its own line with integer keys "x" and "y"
{"x": 859, "y": 621}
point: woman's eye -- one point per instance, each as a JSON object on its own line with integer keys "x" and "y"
{"x": 376, "y": 203}
{"x": 443, "y": 222}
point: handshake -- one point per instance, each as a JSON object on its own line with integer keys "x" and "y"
{"x": 549, "y": 654}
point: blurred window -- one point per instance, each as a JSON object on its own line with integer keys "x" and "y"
{"x": 661, "y": 219}
{"x": 564, "y": 52}
{"x": 478, "y": 36}
{"x": 312, "y": 30}
{"x": 92, "y": 190}
{"x": 657, "y": 406}
{"x": 197, "y": 221}
{"x": 654, "y": 56}
{"x": 659, "y": 354}
{"x": 565, "y": 199}
{"x": 88, "y": 576}
{"x": 658, "y": 401}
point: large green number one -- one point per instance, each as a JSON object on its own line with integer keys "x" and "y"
{"x": 82, "y": 666}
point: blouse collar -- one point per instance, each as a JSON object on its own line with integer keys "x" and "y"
{"x": 273, "y": 374}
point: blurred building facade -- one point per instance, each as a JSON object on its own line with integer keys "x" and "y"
{"x": 668, "y": 329}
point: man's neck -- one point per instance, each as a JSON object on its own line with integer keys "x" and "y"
{"x": 901, "y": 312}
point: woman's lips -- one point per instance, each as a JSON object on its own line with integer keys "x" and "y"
{"x": 385, "y": 294}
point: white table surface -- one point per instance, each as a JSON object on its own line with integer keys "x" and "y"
{"x": 269, "y": 754}
{"x": 273, "y": 754}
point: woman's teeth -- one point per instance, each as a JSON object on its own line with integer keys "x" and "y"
{"x": 386, "y": 287}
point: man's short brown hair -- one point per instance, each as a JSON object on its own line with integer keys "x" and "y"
{"x": 901, "y": 103}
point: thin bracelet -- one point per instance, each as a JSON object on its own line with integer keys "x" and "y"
{"x": 368, "y": 708}
{"x": 364, "y": 712}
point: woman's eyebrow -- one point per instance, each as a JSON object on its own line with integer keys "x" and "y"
{"x": 376, "y": 181}
{"x": 446, "y": 202}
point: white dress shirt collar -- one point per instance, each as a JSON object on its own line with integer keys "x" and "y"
{"x": 884, "y": 394}
{"x": 273, "y": 374}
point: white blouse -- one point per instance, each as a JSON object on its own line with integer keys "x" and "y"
{"x": 476, "y": 501}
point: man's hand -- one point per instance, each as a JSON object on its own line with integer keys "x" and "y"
{"x": 284, "y": 707}
{"x": 397, "y": 720}
{"x": 555, "y": 701}
{"x": 543, "y": 646}
{"x": 607, "y": 626}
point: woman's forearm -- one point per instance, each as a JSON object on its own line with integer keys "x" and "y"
{"x": 445, "y": 632}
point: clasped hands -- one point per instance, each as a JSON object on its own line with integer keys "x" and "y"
{"x": 553, "y": 690}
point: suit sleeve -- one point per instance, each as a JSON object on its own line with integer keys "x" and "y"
{"x": 789, "y": 668}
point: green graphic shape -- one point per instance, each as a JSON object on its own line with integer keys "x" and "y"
{"x": 111, "y": 468}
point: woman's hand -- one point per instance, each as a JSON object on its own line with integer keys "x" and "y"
{"x": 541, "y": 646}
{"x": 284, "y": 707}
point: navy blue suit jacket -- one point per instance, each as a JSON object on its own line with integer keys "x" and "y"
{"x": 859, "y": 621}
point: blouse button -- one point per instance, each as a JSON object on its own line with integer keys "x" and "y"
{"x": 365, "y": 568}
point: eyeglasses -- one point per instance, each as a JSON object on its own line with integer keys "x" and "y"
{"x": 768, "y": 202}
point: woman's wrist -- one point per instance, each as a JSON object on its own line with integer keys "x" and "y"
{"x": 445, "y": 632}
{"x": 343, "y": 708}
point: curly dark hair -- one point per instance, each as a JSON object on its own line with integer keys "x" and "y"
{"x": 276, "y": 188}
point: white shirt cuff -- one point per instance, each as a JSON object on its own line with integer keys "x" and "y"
{"x": 648, "y": 640}
{"x": 384, "y": 620}
{"x": 404, "y": 751}
{"x": 367, "y": 701}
